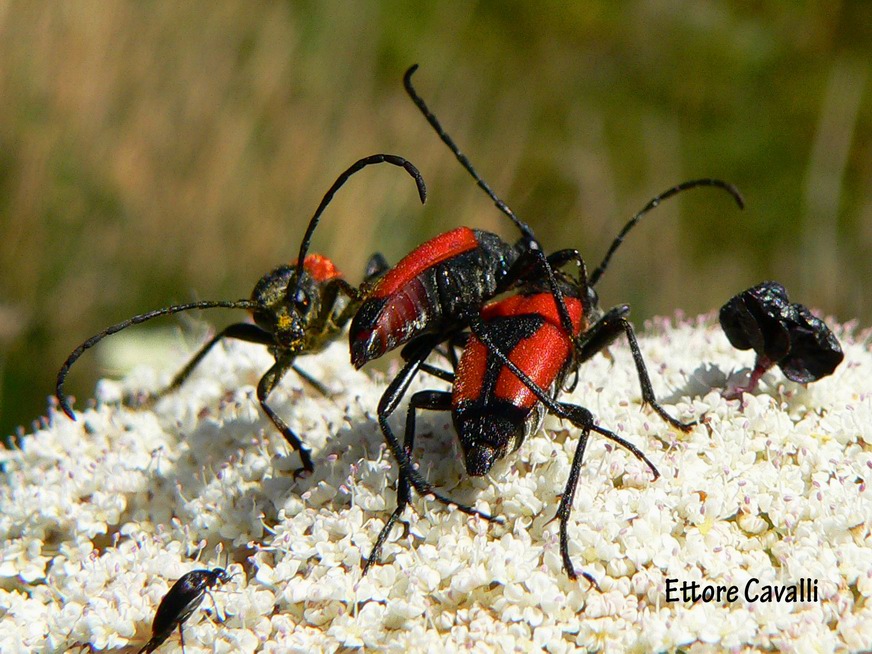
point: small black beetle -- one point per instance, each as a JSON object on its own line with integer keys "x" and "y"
{"x": 781, "y": 333}
{"x": 180, "y": 602}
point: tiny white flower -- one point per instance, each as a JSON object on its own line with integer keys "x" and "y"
{"x": 99, "y": 517}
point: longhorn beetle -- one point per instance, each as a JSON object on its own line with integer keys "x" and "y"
{"x": 497, "y": 403}
{"x": 433, "y": 294}
{"x": 437, "y": 291}
{"x": 440, "y": 286}
{"x": 297, "y": 309}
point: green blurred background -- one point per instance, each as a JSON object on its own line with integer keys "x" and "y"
{"x": 151, "y": 153}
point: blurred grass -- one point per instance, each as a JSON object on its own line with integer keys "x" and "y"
{"x": 151, "y": 153}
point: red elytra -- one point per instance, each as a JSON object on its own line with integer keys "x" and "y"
{"x": 540, "y": 304}
{"x": 436, "y": 289}
{"x": 542, "y": 356}
{"x": 435, "y": 251}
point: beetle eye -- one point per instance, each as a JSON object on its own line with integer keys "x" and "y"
{"x": 301, "y": 299}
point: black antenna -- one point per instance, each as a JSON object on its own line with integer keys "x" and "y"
{"x": 729, "y": 188}
{"x": 462, "y": 158}
{"x": 328, "y": 196}
{"x": 526, "y": 232}
{"x": 135, "y": 320}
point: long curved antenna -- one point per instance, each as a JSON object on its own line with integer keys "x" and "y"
{"x": 328, "y": 196}
{"x": 135, "y": 320}
{"x": 462, "y": 158}
{"x": 532, "y": 243}
{"x": 729, "y": 188}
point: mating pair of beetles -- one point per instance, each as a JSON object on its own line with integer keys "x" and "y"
{"x": 516, "y": 352}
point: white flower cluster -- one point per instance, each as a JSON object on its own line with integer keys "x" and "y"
{"x": 99, "y": 517}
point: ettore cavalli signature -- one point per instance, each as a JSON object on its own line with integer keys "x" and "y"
{"x": 753, "y": 590}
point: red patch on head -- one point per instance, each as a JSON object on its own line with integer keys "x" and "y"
{"x": 320, "y": 267}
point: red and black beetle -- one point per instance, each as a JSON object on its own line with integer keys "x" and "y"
{"x": 298, "y": 309}
{"x": 435, "y": 294}
{"x": 437, "y": 291}
{"x": 497, "y": 401}
{"x": 441, "y": 285}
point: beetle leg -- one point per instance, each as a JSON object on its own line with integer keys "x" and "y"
{"x": 242, "y": 331}
{"x": 603, "y": 333}
{"x": 583, "y": 419}
{"x": 444, "y": 375}
{"x": 431, "y": 401}
{"x": 376, "y": 266}
{"x": 264, "y": 387}
{"x": 415, "y": 353}
{"x": 314, "y": 383}
{"x": 214, "y": 605}
{"x": 329, "y": 298}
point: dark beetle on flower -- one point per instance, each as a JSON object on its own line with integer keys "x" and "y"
{"x": 780, "y": 333}
{"x": 180, "y": 602}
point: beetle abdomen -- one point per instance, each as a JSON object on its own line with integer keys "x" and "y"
{"x": 436, "y": 287}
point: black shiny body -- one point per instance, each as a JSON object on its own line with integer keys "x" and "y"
{"x": 180, "y": 602}
{"x": 494, "y": 415}
{"x": 781, "y": 333}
